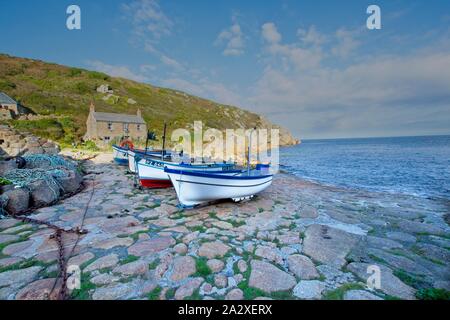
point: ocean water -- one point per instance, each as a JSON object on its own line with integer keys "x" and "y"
{"x": 416, "y": 166}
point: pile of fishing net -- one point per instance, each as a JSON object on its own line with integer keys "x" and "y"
{"x": 39, "y": 180}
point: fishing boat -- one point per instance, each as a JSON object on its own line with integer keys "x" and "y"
{"x": 194, "y": 188}
{"x": 150, "y": 171}
{"x": 120, "y": 155}
{"x": 136, "y": 155}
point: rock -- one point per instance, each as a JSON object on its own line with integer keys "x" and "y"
{"x": 220, "y": 280}
{"x": 213, "y": 249}
{"x": 390, "y": 284}
{"x": 6, "y": 262}
{"x": 19, "y": 249}
{"x": 108, "y": 261}
{"x": 383, "y": 243}
{"x": 328, "y": 245}
{"x": 302, "y": 267}
{"x": 71, "y": 183}
{"x": 360, "y": 295}
{"x": 18, "y": 277}
{"x": 242, "y": 266}
{"x": 433, "y": 252}
{"x": 41, "y": 290}
{"x": 400, "y": 262}
{"x": 6, "y": 166}
{"x": 309, "y": 289}
{"x": 152, "y": 246}
{"x": 269, "y": 278}
{"x": 42, "y": 193}
{"x": 269, "y": 253}
{"x": 188, "y": 288}
{"x": 222, "y": 225}
{"x": 4, "y": 238}
{"x": 104, "y": 279}
{"x": 132, "y": 269}
{"x": 419, "y": 227}
{"x": 113, "y": 292}
{"x": 235, "y": 294}
{"x": 80, "y": 259}
{"x": 308, "y": 212}
{"x": 17, "y": 200}
{"x": 215, "y": 265}
{"x": 401, "y": 236}
{"x": 180, "y": 248}
{"x": 112, "y": 243}
{"x": 334, "y": 277}
{"x": 183, "y": 267}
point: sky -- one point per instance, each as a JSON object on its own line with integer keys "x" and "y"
{"x": 311, "y": 66}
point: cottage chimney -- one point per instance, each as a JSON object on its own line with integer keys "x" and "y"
{"x": 92, "y": 108}
{"x": 139, "y": 113}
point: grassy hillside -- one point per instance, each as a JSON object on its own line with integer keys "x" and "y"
{"x": 64, "y": 94}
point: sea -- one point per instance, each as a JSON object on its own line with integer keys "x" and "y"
{"x": 415, "y": 166}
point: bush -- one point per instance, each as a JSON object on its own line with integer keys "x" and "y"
{"x": 7, "y": 85}
{"x": 73, "y": 72}
{"x": 48, "y": 128}
{"x": 82, "y": 88}
{"x": 98, "y": 75}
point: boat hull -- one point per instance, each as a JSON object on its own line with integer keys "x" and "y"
{"x": 120, "y": 156}
{"x": 194, "y": 188}
{"x": 153, "y": 172}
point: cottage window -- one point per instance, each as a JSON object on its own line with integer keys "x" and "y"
{"x": 125, "y": 127}
{"x": 138, "y": 127}
{"x": 110, "y": 126}
{"x": 107, "y": 139}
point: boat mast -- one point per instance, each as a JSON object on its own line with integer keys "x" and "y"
{"x": 164, "y": 142}
{"x": 249, "y": 151}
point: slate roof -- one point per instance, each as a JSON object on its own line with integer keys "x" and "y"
{"x": 4, "y": 98}
{"x": 118, "y": 117}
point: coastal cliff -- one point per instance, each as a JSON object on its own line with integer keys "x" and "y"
{"x": 61, "y": 97}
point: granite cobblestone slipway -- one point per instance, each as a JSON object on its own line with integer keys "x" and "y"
{"x": 297, "y": 240}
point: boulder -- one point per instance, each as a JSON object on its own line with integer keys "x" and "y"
{"x": 328, "y": 245}
{"x": 71, "y": 183}
{"x": 15, "y": 201}
{"x": 6, "y": 166}
{"x": 267, "y": 277}
{"x": 302, "y": 267}
{"x": 43, "y": 193}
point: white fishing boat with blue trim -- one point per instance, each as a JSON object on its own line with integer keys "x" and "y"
{"x": 120, "y": 155}
{"x": 136, "y": 155}
{"x": 151, "y": 170}
{"x": 195, "y": 188}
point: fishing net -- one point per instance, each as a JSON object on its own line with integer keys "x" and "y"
{"x": 48, "y": 168}
{"x": 48, "y": 161}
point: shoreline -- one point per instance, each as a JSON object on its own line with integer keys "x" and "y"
{"x": 297, "y": 240}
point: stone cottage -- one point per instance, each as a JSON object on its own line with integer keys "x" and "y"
{"x": 9, "y": 108}
{"x": 105, "y": 127}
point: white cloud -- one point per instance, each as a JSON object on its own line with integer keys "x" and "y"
{"x": 149, "y": 21}
{"x": 205, "y": 88}
{"x": 346, "y": 43}
{"x": 270, "y": 33}
{"x": 116, "y": 71}
{"x": 311, "y": 36}
{"x": 170, "y": 62}
{"x": 233, "y": 38}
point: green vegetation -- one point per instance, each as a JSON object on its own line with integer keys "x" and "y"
{"x": 433, "y": 294}
{"x": 338, "y": 294}
{"x": 64, "y": 95}
{"x": 409, "y": 279}
{"x": 202, "y": 268}
{"x": 4, "y": 182}
{"x": 130, "y": 258}
{"x": 85, "y": 287}
{"x": 154, "y": 294}
{"x": 170, "y": 294}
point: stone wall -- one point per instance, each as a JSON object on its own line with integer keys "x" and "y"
{"x": 14, "y": 143}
